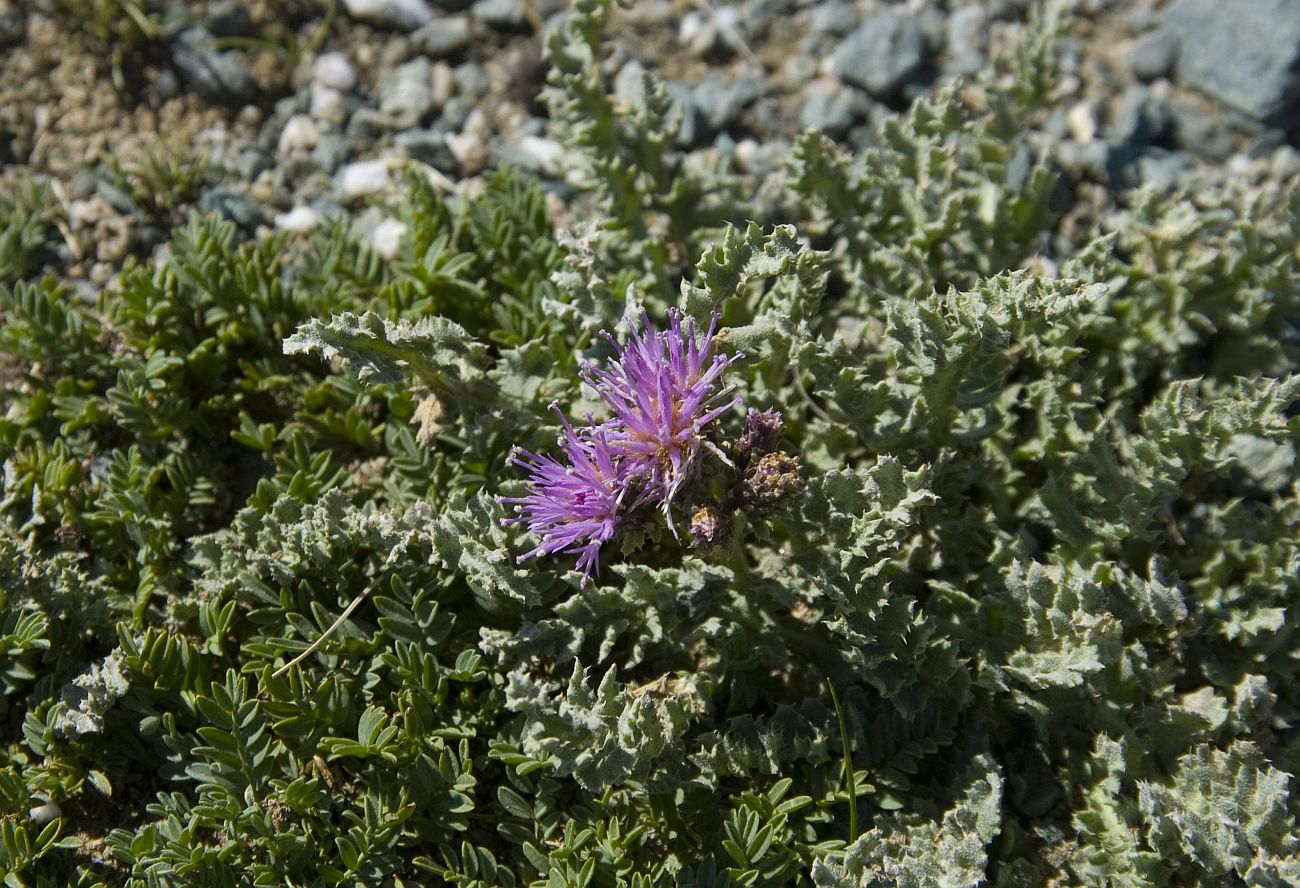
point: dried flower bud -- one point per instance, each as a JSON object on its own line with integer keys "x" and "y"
{"x": 772, "y": 480}
{"x": 707, "y": 526}
{"x": 762, "y": 431}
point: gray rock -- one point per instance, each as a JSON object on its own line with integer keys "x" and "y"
{"x": 232, "y": 205}
{"x": 830, "y": 110}
{"x": 1202, "y": 133}
{"x": 165, "y": 84}
{"x": 455, "y": 113}
{"x": 471, "y": 79}
{"x": 406, "y": 93}
{"x": 216, "y": 76}
{"x": 719, "y": 103}
{"x": 251, "y": 162}
{"x": 1142, "y": 118}
{"x": 331, "y": 152}
{"x": 1153, "y": 54}
{"x": 443, "y": 36}
{"x": 965, "y": 39}
{"x": 427, "y": 146}
{"x": 228, "y": 18}
{"x": 882, "y": 55}
{"x": 504, "y": 15}
{"x": 837, "y": 19}
{"x": 401, "y": 15}
{"x": 1245, "y": 54}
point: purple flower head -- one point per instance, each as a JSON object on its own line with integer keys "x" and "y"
{"x": 663, "y": 391}
{"x": 572, "y": 508}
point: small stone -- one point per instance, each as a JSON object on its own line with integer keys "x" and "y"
{"x": 546, "y": 155}
{"x": 216, "y": 76}
{"x": 103, "y": 227}
{"x": 1153, "y": 54}
{"x": 696, "y": 35}
{"x": 882, "y": 55}
{"x": 299, "y": 134}
{"x": 1246, "y": 55}
{"x": 966, "y": 29}
{"x": 1082, "y": 123}
{"x": 299, "y": 220}
{"x": 333, "y": 70}
{"x": 471, "y": 79}
{"x": 1202, "y": 132}
{"x": 401, "y": 15}
{"x": 232, "y": 205}
{"x": 386, "y": 239}
{"x": 406, "y": 94}
{"x": 504, "y": 15}
{"x": 428, "y": 146}
{"x": 469, "y": 149}
{"x": 328, "y": 105}
{"x": 330, "y": 152}
{"x": 228, "y": 18}
{"x": 1142, "y": 118}
{"x": 166, "y": 84}
{"x": 443, "y": 83}
{"x": 455, "y": 113}
{"x": 443, "y": 37}
{"x": 830, "y": 108}
{"x": 363, "y": 178}
{"x": 251, "y": 162}
{"x": 836, "y": 19}
{"x": 719, "y": 103}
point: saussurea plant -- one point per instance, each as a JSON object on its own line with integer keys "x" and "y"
{"x": 262, "y": 623}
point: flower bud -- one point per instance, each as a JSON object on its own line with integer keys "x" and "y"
{"x": 771, "y": 480}
{"x": 762, "y": 431}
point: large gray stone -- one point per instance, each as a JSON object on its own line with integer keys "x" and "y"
{"x": 881, "y": 56}
{"x": 1245, "y": 53}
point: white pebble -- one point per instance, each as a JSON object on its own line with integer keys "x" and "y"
{"x": 1082, "y": 123}
{"x": 363, "y": 178}
{"x": 548, "y": 153}
{"x": 387, "y": 238}
{"x": 298, "y": 220}
{"x": 299, "y": 134}
{"x": 327, "y": 104}
{"x": 335, "y": 71}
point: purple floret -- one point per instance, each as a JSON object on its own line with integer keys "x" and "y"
{"x": 663, "y": 392}
{"x": 571, "y": 508}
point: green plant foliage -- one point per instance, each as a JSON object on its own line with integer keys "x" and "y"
{"x": 262, "y": 620}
